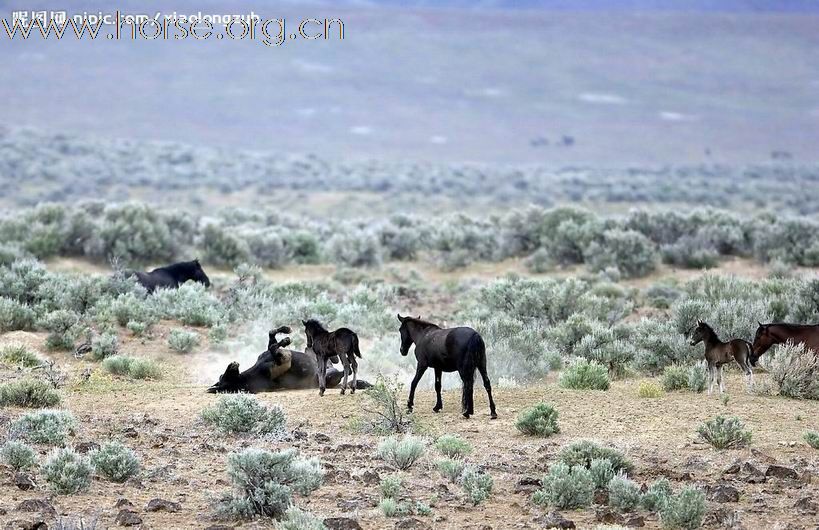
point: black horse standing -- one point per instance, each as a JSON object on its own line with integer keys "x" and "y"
{"x": 326, "y": 345}
{"x": 171, "y": 276}
{"x": 446, "y": 350}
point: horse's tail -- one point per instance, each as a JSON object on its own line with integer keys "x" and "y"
{"x": 356, "y": 351}
{"x": 476, "y": 353}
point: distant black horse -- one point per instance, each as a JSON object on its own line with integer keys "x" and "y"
{"x": 171, "y": 276}
{"x": 277, "y": 369}
{"x": 446, "y": 350}
{"x": 325, "y": 344}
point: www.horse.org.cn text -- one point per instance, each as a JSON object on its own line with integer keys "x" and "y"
{"x": 171, "y": 27}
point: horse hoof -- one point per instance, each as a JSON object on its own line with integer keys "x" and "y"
{"x": 352, "y": 391}
{"x": 466, "y": 416}
{"x": 437, "y": 409}
{"x": 493, "y": 416}
{"x": 342, "y": 391}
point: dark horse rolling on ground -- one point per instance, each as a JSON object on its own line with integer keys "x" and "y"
{"x": 779, "y": 333}
{"x": 342, "y": 343}
{"x": 278, "y": 369}
{"x": 171, "y": 276}
{"x": 446, "y": 350}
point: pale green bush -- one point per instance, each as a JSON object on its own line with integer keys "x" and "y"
{"x": 19, "y": 355}
{"x": 45, "y": 426}
{"x": 624, "y": 493}
{"x": 391, "y": 486}
{"x": 585, "y": 375}
{"x": 476, "y": 484}
{"x": 183, "y": 341}
{"x": 684, "y": 511}
{"x": 602, "y": 471}
{"x": 64, "y": 328}
{"x": 452, "y": 445}
{"x": 15, "y": 315}
{"x": 566, "y": 487}
{"x": 401, "y": 453}
{"x": 583, "y": 452}
{"x": 450, "y": 468}
{"x": 31, "y": 393}
{"x": 812, "y": 439}
{"x": 104, "y": 345}
{"x": 263, "y": 482}
{"x": 115, "y": 462}
{"x": 133, "y": 367}
{"x": 296, "y": 519}
{"x": 66, "y": 471}
{"x": 17, "y": 455}
{"x": 656, "y": 495}
{"x": 242, "y": 413}
{"x": 725, "y": 433}
{"x": 540, "y": 420}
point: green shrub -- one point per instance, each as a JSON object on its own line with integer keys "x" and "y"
{"x": 115, "y": 462}
{"x": 218, "y": 333}
{"x": 697, "y": 377}
{"x": 131, "y": 307}
{"x": 63, "y": 327}
{"x": 104, "y": 345}
{"x": 661, "y": 296}
{"x": 15, "y": 315}
{"x": 422, "y": 508}
{"x": 67, "y": 471}
{"x": 566, "y": 487}
{"x": 649, "y": 389}
{"x": 391, "y": 487}
{"x": 402, "y": 453}
{"x": 628, "y": 251}
{"x": 17, "y": 455}
{"x": 263, "y": 482}
{"x": 794, "y": 371}
{"x": 45, "y": 426}
{"x": 137, "y": 328}
{"x": 477, "y": 485}
{"x": 656, "y": 495}
{"x": 450, "y": 468}
{"x": 183, "y": 341}
{"x": 31, "y": 393}
{"x": 675, "y": 377}
{"x": 452, "y": 445}
{"x": 624, "y": 493}
{"x": 385, "y": 409}
{"x": 684, "y": 511}
{"x": 133, "y": 367}
{"x": 296, "y": 519}
{"x": 812, "y": 439}
{"x": 725, "y": 433}
{"x": 582, "y": 453}
{"x": 19, "y": 355}
{"x": 602, "y": 471}
{"x": 392, "y": 508}
{"x": 242, "y": 413}
{"x": 540, "y": 420}
{"x": 585, "y": 375}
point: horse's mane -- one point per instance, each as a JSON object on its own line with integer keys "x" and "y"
{"x": 314, "y": 324}
{"x": 709, "y": 329}
{"x": 423, "y": 323}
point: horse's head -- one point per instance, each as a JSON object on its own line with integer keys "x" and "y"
{"x": 198, "y": 273}
{"x": 763, "y": 340}
{"x": 406, "y": 336}
{"x": 310, "y": 328}
{"x": 230, "y": 381}
{"x": 698, "y": 333}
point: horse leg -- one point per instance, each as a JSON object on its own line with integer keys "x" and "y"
{"x": 468, "y": 378}
{"x": 419, "y": 372}
{"x": 439, "y": 404}
{"x": 719, "y": 375}
{"x": 346, "y": 362}
{"x": 710, "y": 378}
{"x": 488, "y": 386}
{"x": 354, "y": 365}
{"x": 322, "y": 375}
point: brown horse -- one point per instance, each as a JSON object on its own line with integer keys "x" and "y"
{"x": 718, "y": 354}
{"x": 779, "y": 333}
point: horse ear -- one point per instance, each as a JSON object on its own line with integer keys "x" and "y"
{"x": 760, "y": 324}
{"x": 304, "y": 322}
{"x": 400, "y": 318}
